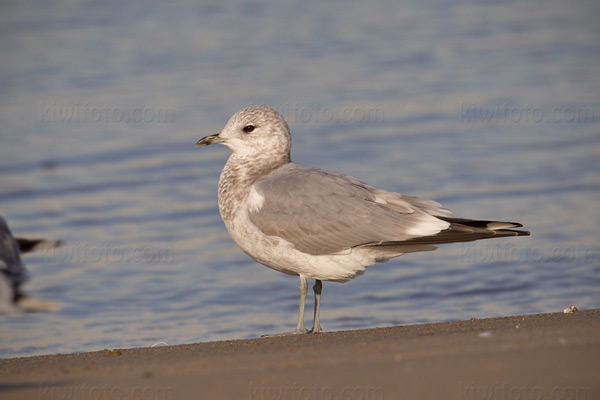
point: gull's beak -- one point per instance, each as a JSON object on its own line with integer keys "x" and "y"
{"x": 210, "y": 139}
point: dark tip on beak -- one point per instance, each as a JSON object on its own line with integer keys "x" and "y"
{"x": 210, "y": 139}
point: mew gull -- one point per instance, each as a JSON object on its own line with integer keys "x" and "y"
{"x": 321, "y": 224}
{"x": 13, "y": 272}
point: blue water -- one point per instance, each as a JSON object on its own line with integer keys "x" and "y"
{"x": 492, "y": 109}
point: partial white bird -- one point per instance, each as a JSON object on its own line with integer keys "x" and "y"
{"x": 13, "y": 272}
{"x": 321, "y": 224}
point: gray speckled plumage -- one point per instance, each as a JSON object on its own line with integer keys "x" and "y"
{"x": 321, "y": 224}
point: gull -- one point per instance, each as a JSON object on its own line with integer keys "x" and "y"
{"x": 13, "y": 272}
{"x": 319, "y": 224}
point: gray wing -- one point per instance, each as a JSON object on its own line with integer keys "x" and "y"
{"x": 324, "y": 212}
{"x": 10, "y": 259}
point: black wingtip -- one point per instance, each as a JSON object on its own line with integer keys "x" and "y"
{"x": 30, "y": 245}
{"x": 511, "y": 232}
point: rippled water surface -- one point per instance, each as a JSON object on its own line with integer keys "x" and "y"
{"x": 492, "y": 109}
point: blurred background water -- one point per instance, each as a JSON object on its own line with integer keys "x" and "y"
{"x": 491, "y": 108}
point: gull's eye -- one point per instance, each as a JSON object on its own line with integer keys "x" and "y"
{"x": 248, "y": 128}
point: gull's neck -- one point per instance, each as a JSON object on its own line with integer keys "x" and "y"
{"x": 240, "y": 173}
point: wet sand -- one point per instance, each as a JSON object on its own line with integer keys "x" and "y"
{"x": 545, "y": 356}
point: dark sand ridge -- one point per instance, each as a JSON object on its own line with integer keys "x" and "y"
{"x": 546, "y": 356}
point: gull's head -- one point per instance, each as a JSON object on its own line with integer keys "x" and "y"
{"x": 258, "y": 130}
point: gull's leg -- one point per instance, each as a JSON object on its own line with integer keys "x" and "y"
{"x": 300, "y": 327}
{"x": 303, "y": 289}
{"x": 317, "y": 289}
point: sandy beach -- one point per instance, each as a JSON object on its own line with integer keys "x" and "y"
{"x": 544, "y": 356}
